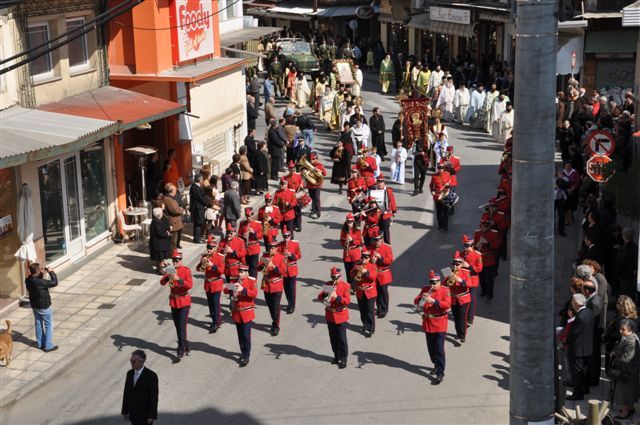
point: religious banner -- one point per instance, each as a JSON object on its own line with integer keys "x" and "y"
{"x": 343, "y": 68}
{"x": 416, "y": 115}
{"x": 192, "y": 35}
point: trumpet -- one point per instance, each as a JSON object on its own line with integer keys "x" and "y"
{"x": 327, "y": 299}
{"x": 267, "y": 267}
{"x": 266, "y": 226}
{"x": 361, "y": 271}
{"x": 481, "y": 243}
{"x": 420, "y": 306}
{"x": 204, "y": 262}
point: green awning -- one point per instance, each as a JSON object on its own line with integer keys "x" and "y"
{"x": 619, "y": 41}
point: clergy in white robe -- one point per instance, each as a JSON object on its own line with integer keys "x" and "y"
{"x": 498, "y": 107}
{"x": 360, "y": 135}
{"x": 359, "y": 79}
{"x": 461, "y": 103}
{"x": 506, "y": 123}
{"x": 445, "y": 100}
{"x": 398, "y": 159}
{"x": 436, "y": 79}
{"x": 474, "y": 113}
{"x": 302, "y": 91}
{"x": 486, "y": 108}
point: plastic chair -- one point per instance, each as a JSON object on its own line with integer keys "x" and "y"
{"x": 127, "y": 228}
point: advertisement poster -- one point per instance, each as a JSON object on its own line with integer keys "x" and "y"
{"x": 6, "y": 226}
{"x": 194, "y": 32}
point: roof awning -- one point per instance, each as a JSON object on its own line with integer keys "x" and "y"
{"x": 114, "y": 104}
{"x": 291, "y": 13}
{"x": 600, "y": 15}
{"x": 186, "y": 74}
{"x": 342, "y": 11}
{"x": 631, "y": 15}
{"x": 246, "y": 34}
{"x": 421, "y": 22}
{"x": 573, "y": 25}
{"x": 450, "y": 28}
{"x": 31, "y": 135}
{"x": 612, "y": 42}
{"x": 494, "y": 17}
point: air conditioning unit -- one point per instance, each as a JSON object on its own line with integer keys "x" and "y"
{"x": 417, "y": 4}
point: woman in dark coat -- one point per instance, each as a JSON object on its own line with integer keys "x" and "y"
{"x": 261, "y": 169}
{"x": 159, "y": 236}
{"x": 341, "y": 170}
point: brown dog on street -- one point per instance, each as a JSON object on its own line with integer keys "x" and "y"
{"x": 6, "y": 344}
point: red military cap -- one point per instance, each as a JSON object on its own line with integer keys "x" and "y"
{"x": 268, "y": 196}
{"x": 376, "y": 237}
{"x": 365, "y": 253}
{"x": 248, "y": 211}
{"x": 335, "y": 272}
{"x": 449, "y": 148}
{"x": 231, "y": 227}
{"x": 243, "y": 267}
{"x": 292, "y": 165}
{"x": 484, "y": 222}
{"x": 493, "y": 201}
{"x": 457, "y": 258}
{"x": 313, "y": 155}
{"x": 381, "y": 177}
{"x": 467, "y": 240}
{"x": 283, "y": 181}
{"x": 433, "y": 276}
{"x": 211, "y": 243}
{"x": 269, "y": 242}
{"x": 176, "y": 255}
{"x": 354, "y": 168}
{"x": 350, "y": 217}
{"x": 285, "y": 231}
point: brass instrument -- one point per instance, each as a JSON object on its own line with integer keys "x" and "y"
{"x": 443, "y": 193}
{"x": 310, "y": 173}
{"x": 268, "y": 265}
{"x": 420, "y": 306}
{"x": 327, "y": 299}
{"x": 339, "y": 153}
{"x": 481, "y": 243}
{"x": 265, "y": 225}
{"x": 204, "y": 261}
{"x": 361, "y": 270}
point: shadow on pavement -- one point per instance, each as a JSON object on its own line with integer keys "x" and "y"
{"x": 402, "y": 327}
{"x": 292, "y": 350}
{"x": 365, "y": 357}
{"x": 121, "y": 341}
{"x": 204, "y": 416}
{"x": 317, "y": 319}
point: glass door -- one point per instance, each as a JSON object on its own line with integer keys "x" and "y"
{"x": 73, "y": 207}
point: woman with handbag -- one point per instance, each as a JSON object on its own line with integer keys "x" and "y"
{"x": 625, "y": 366}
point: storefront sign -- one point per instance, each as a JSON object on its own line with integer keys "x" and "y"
{"x": 365, "y": 12}
{"x": 6, "y": 226}
{"x": 446, "y": 14}
{"x": 194, "y": 29}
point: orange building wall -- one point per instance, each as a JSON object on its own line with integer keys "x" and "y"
{"x": 121, "y": 49}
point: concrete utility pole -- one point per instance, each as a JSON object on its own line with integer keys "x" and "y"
{"x": 532, "y": 233}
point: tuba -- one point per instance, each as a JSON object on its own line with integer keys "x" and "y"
{"x": 310, "y": 173}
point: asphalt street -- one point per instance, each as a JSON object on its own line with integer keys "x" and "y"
{"x": 290, "y": 379}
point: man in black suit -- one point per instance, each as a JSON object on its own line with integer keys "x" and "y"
{"x": 595, "y": 304}
{"x": 252, "y": 113}
{"x": 275, "y": 142}
{"x": 592, "y": 248}
{"x": 377, "y": 126}
{"x": 580, "y": 346}
{"x": 140, "y": 399}
{"x": 196, "y": 207}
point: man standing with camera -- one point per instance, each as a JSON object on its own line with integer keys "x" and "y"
{"x": 40, "y": 300}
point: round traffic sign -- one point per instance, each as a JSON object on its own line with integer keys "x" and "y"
{"x": 600, "y": 168}
{"x": 600, "y": 142}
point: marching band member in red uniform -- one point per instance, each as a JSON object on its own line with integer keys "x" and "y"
{"x": 316, "y": 189}
{"x": 364, "y": 277}
{"x": 179, "y": 283}
{"x": 251, "y": 233}
{"x": 356, "y": 185}
{"x": 389, "y": 209}
{"x": 336, "y": 297}
{"x": 272, "y": 268}
{"x": 367, "y": 167}
{"x": 351, "y": 241}
{"x": 473, "y": 263}
{"x": 243, "y": 295}
{"x": 433, "y": 303}
{"x": 234, "y": 251}
{"x": 487, "y": 241}
{"x": 290, "y": 250}
{"x": 501, "y": 222}
{"x": 439, "y": 187}
{"x": 296, "y": 183}
{"x": 382, "y": 257}
{"x": 285, "y": 199}
{"x": 371, "y": 216}
{"x": 212, "y": 264}
{"x": 460, "y": 296}
{"x": 270, "y": 217}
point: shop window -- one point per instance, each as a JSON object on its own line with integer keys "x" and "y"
{"x": 78, "y": 51}
{"x": 51, "y": 207}
{"x": 40, "y": 67}
{"x": 94, "y": 191}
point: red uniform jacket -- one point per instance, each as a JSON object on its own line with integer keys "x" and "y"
{"x": 323, "y": 170}
{"x": 459, "y": 290}
{"x": 474, "y": 259}
{"x": 371, "y": 224}
{"x": 295, "y": 181}
{"x": 367, "y": 283}
{"x": 438, "y": 184}
{"x": 242, "y": 305}
{"x": 355, "y": 186}
{"x": 291, "y": 259}
{"x": 367, "y": 170}
{"x": 506, "y": 185}
{"x": 351, "y": 250}
{"x": 337, "y": 312}
{"x": 455, "y": 164}
{"x": 504, "y": 204}
{"x": 179, "y": 296}
{"x": 286, "y": 200}
{"x": 253, "y": 244}
{"x": 213, "y": 272}
{"x": 274, "y": 218}
{"x": 490, "y": 243}
{"x": 391, "y": 205}
{"x": 500, "y": 220}
{"x": 236, "y": 257}
{"x": 272, "y": 278}
{"x": 383, "y": 263}
{"x": 434, "y": 316}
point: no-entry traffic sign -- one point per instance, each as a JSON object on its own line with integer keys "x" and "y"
{"x": 600, "y": 168}
{"x": 600, "y": 142}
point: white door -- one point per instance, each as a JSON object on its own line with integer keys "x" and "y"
{"x": 74, "y": 219}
